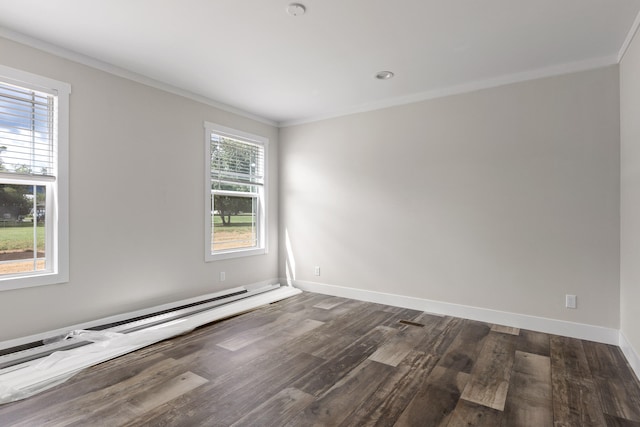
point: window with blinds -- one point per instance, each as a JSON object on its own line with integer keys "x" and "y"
{"x": 33, "y": 207}
{"x": 26, "y": 131}
{"x": 236, "y": 165}
{"x": 235, "y": 185}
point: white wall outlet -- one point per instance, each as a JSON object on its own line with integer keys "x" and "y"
{"x": 316, "y": 270}
{"x": 222, "y": 276}
{"x": 571, "y": 301}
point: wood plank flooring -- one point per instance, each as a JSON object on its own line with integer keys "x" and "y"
{"x": 315, "y": 360}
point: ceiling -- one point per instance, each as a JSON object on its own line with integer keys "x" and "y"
{"x": 253, "y": 56}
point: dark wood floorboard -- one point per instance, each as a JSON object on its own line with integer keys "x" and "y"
{"x": 612, "y": 375}
{"x": 575, "y": 399}
{"x": 534, "y": 342}
{"x": 390, "y": 399}
{"x": 471, "y": 414}
{"x": 463, "y": 351}
{"x": 316, "y": 360}
{"x": 619, "y": 422}
{"x": 529, "y": 400}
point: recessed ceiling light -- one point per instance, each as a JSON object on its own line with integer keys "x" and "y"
{"x": 296, "y": 9}
{"x": 384, "y": 75}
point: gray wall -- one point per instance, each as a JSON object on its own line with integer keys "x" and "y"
{"x": 136, "y": 201}
{"x": 630, "y": 190}
{"x": 505, "y": 199}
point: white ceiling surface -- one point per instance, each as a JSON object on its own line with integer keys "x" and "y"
{"x": 253, "y": 56}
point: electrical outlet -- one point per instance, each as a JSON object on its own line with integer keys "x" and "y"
{"x": 571, "y": 301}
{"x": 316, "y": 270}
{"x": 222, "y": 276}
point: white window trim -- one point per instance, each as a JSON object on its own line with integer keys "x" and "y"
{"x": 262, "y": 208}
{"x": 60, "y": 192}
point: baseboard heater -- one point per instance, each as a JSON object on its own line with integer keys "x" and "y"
{"x": 33, "y": 367}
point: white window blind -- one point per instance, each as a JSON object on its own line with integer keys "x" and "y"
{"x": 235, "y": 162}
{"x": 26, "y": 132}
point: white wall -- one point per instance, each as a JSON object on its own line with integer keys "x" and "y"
{"x": 136, "y": 201}
{"x": 504, "y": 199}
{"x": 630, "y": 196}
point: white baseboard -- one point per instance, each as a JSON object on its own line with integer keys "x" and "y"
{"x": 630, "y": 353}
{"x": 540, "y": 324}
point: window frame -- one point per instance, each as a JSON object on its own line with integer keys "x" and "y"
{"x": 261, "y": 247}
{"x": 57, "y": 191}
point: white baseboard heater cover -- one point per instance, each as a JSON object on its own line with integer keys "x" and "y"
{"x": 29, "y": 378}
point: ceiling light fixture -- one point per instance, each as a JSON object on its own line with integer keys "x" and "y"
{"x": 384, "y": 75}
{"x": 296, "y": 9}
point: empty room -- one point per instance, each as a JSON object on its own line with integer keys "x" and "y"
{"x": 320, "y": 213}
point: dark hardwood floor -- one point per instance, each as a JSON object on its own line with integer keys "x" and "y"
{"x": 327, "y": 361}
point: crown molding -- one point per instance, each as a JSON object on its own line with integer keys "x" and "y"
{"x": 630, "y": 35}
{"x": 124, "y": 73}
{"x": 507, "y": 79}
{"x": 378, "y": 105}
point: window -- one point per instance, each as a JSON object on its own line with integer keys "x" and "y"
{"x": 33, "y": 180}
{"x": 235, "y": 199}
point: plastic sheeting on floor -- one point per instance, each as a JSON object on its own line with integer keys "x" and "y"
{"x": 24, "y": 380}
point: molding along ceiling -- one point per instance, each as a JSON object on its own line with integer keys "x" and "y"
{"x": 257, "y": 58}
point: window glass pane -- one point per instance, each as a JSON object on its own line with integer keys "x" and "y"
{"x": 236, "y": 161}
{"x": 233, "y": 222}
{"x": 22, "y": 228}
{"x": 41, "y": 210}
{"x": 26, "y": 131}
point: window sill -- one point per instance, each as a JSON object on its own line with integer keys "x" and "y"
{"x": 32, "y": 280}
{"x": 239, "y": 253}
